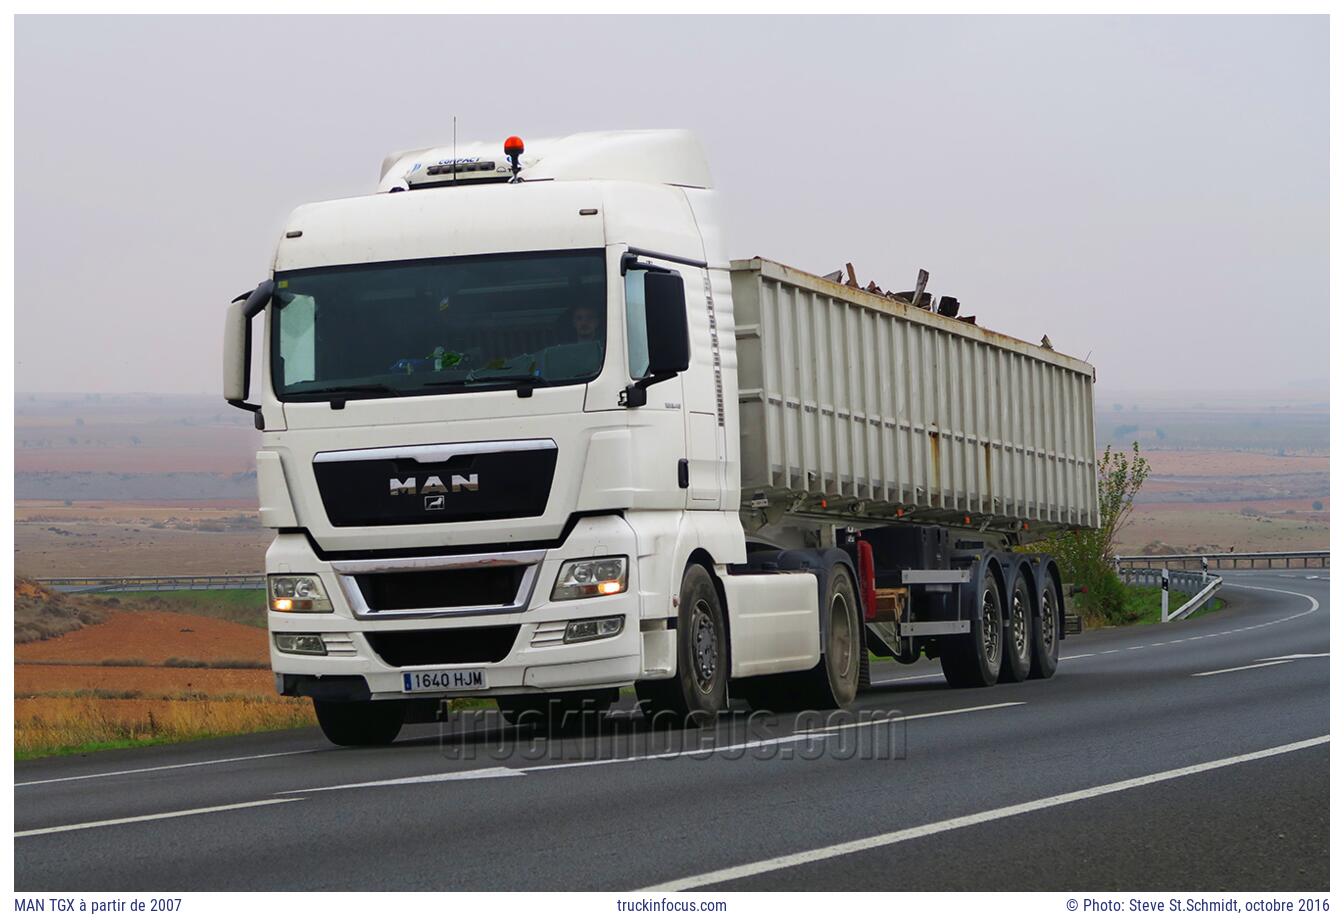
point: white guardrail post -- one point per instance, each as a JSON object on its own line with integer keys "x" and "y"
{"x": 1166, "y": 598}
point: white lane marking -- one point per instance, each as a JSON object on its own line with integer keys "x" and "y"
{"x": 495, "y": 772}
{"x": 1074, "y": 657}
{"x": 159, "y": 817}
{"x": 1244, "y": 667}
{"x": 171, "y": 766}
{"x": 483, "y": 773}
{"x": 983, "y": 817}
{"x": 901, "y": 680}
{"x": 1265, "y": 663}
{"x": 1134, "y": 648}
{"x": 1315, "y": 604}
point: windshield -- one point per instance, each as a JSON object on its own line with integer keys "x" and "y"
{"x": 413, "y": 328}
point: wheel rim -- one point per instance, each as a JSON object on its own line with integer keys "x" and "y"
{"x": 1019, "y": 622}
{"x": 705, "y": 642}
{"x": 1048, "y": 621}
{"x": 990, "y": 626}
{"x": 842, "y": 637}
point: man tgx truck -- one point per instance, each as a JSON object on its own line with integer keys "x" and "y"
{"x": 527, "y": 433}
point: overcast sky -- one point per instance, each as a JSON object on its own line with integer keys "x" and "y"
{"x": 1151, "y": 192}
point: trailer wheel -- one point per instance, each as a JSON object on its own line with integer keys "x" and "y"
{"x": 700, "y": 689}
{"x": 834, "y": 682}
{"x": 975, "y": 660}
{"x": 1045, "y": 631}
{"x": 364, "y": 724}
{"x": 558, "y": 713}
{"x": 1018, "y": 637}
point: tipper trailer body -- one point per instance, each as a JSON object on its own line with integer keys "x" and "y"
{"x": 528, "y": 433}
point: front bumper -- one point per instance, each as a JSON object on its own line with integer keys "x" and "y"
{"x": 536, "y": 661}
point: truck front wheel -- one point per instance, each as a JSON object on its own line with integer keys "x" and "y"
{"x": 366, "y": 724}
{"x": 700, "y": 689}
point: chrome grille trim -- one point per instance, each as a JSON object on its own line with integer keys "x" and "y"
{"x": 433, "y": 453}
{"x": 346, "y": 570}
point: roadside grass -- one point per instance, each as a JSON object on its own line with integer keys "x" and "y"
{"x": 236, "y": 605}
{"x": 48, "y": 726}
{"x": 1143, "y": 604}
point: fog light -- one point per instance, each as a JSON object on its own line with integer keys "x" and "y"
{"x": 300, "y": 643}
{"x": 585, "y": 630}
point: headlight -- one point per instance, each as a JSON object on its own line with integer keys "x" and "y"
{"x": 589, "y": 578}
{"x": 297, "y": 593}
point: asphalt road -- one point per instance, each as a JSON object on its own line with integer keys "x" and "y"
{"x": 1190, "y": 756}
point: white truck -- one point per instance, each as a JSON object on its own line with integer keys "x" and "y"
{"x": 527, "y": 433}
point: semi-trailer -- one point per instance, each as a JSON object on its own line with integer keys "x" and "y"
{"x": 528, "y": 433}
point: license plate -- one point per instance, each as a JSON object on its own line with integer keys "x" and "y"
{"x": 422, "y": 681}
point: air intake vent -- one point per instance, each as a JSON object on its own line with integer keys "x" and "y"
{"x": 470, "y": 645}
{"x": 494, "y": 586}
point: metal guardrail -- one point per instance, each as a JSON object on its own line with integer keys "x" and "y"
{"x": 1311, "y": 558}
{"x": 115, "y": 584}
{"x": 1198, "y": 585}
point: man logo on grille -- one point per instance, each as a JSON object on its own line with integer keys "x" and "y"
{"x": 433, "y": 502}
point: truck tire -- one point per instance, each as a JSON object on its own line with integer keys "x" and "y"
{"x": 1046, "y": 629}
{"x": 834, "y": 682}
{"x": 700, "y": 690}
{"x": 364, "y": 724}
{"x": 555, "y": 714}
{"x": 1018, "y": 625}
{"x": 975, "y": 660}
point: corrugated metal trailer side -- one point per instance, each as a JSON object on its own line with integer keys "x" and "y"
{"x": 885, "y": 411}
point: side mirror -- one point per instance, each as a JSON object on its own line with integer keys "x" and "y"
{"x": 665, "y": 321}
{"x": 666, "y": 332}
{"x": 237, "y": 353}
{"x": 238, "y": 345}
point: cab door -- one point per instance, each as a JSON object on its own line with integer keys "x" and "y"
{"x": 699, "y": 463}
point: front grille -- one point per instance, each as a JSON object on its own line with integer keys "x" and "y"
{"x": 470, "y": 645}
{"x": 490, "y": 586}
{"x": 482, "y": 486}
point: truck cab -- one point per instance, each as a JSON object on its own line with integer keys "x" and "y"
{"x": 498, "y": 418}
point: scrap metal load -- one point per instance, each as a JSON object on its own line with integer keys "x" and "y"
{"x": 867, "y": 409}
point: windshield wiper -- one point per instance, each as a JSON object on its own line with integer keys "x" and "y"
{"x": 503, "y": 378}
{"x": 339, "y": 394}
{"x": 526, "y": 382}
{"x": 347, "y": 388}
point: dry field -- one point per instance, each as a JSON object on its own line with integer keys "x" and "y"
{"x": 1186, "y": 528}
{"x": 151, "y": 637}
{"x": 1231, "y": 463}
{"x": 68, "y": 699}
{"x": 138, "y": 538}
{"x": 150, "y": 682}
